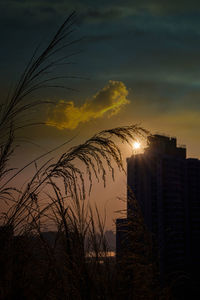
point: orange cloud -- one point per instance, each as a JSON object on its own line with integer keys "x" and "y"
{"x": 109, "y": 100}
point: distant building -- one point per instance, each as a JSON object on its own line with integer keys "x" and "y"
{"x": 167, "y": 186}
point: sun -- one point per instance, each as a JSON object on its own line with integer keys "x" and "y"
{"x": 136, "y": 145}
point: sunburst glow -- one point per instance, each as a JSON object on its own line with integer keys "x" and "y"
{"x": 136, "y": 145}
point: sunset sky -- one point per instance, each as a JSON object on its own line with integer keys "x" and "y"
{"x": 139, "y": 62}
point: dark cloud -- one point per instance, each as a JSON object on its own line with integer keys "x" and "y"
{"x": 103, "y": 15}
{"x": 146, "y": 41}
{"x": 48, "y": 10}
{"x": 102, "y": 38}
{"x": 159, "y": 7}
{"x": 104, "y": 11}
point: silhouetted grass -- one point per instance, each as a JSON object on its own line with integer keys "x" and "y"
{"x": 75, "y": 264}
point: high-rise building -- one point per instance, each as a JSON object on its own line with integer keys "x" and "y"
{"x": 167, "y": 187}
{"x": 193, "y": 207}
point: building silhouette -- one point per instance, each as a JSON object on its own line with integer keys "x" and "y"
{"x": 166, "y": 185}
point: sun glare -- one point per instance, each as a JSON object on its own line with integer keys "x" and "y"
{"x": 136, "y": 145}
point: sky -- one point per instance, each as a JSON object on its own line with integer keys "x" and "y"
{"x": 139, "y": 62}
